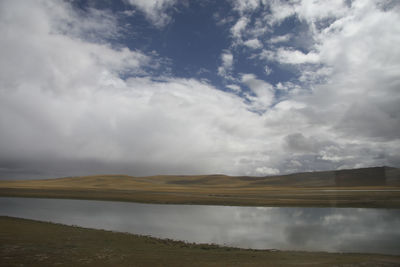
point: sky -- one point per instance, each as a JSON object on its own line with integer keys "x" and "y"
{"x": 237, "y": 87}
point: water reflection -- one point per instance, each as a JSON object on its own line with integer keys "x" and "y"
{"x": 313, "y": 229}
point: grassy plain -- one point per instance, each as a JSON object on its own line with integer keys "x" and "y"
{"x": 32, "y": 243}
{"x": 317, "y": 189}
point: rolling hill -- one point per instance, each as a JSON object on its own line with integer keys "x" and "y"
{"x": 377, "y": 186}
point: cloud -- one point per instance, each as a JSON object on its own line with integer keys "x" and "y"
{"x": 280, "y": 38}
{"x": 239, "y": 27}
{"x": 72, "y": 102}
{"x": 314, "y": 11}
{"x": 234, "y": 87}
{"x": 264, "y": 171}
{"x": 298, "y": 143}
{"x": 280, "y": 10}
{"x": 267, "y": 70}
{"x": 243, "y": 6}
{"x": 253, "y": 43}
{"x": 263, "y": 90}
{"x": 36, "y": 53}
{"x": 290, "y": 56}
{"x": 154, "y": 10}
{"x": 227, "y": 59}
{"x": 348, "y": 62}
{"x": 227, "y": 64}
{"x": 65, "y": 110}
{"x": 295, "y": 57}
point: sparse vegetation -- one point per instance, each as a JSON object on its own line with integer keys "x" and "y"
{"x": 314, "y": 189}
{"x": 32, "y": 243}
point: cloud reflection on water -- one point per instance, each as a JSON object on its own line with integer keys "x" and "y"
{"x": 314, "y": 229}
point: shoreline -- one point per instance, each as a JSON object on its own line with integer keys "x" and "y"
{"x": 43, "y": 243}
{"x": 303, "y": 197}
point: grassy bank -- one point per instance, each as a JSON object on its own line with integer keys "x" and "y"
{"x": 32, "y": 243}
{"x": 266, "y": 197}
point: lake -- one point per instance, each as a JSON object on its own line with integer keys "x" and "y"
{"x": 306, "y": 229}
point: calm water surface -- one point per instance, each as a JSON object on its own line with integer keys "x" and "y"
{"x": 311, "y": 229}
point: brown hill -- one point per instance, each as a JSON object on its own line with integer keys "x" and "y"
{"x": 366, "y": 187}
{"x": 375, "y": 176}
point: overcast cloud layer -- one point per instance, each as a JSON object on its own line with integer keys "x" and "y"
{"x": 76, "y": 99}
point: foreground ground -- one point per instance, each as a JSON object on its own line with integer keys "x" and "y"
{"x": 369, "y": 187}
{"x": 31, "y": 243}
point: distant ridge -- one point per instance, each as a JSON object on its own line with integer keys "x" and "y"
{"x": 372, "y": 176}
{"x": 344, "y": 188}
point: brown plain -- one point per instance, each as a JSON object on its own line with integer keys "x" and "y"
{"x": 368, "y": 187}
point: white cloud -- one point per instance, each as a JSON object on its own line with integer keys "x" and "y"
{"x": 308, "y": 10}
{"x": 280, "y": 38}
{"x": 263, "y": 90}
{"x": 234, "y": 87}
{"x": 227, "y": 64}
{"x": 64, "y": 107}
{"x": 264, "y": 171}
{"x": 243, "y": 6}
{"x": 35, "y": 52}
{"x": 290, "y": 56}
{"x": 313, "y": 11}
{"x": 267, "y": 70}
{"x": 239, "y": 27}
{"x": 280, "y": 10}
{"x": 227, "y": 59}
{"x": 350, "y": 89}
{"x": 222, "y": 20}
{"x": 296, "y": 56}
{"x": 253, "y": 43}
{"x": 155, "y": 10}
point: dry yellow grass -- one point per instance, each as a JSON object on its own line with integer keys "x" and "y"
{"x": 316, "y": 189}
